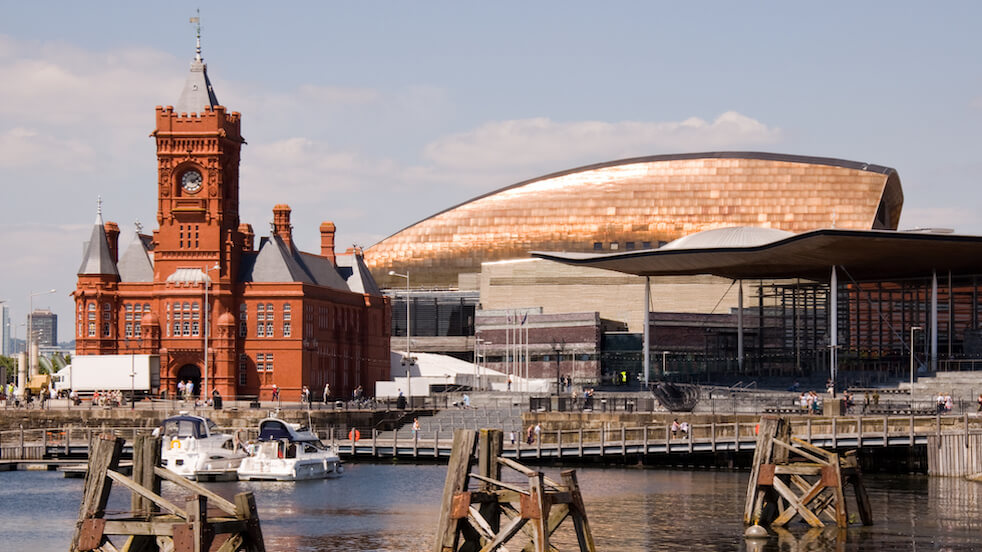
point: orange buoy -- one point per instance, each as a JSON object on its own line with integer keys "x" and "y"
{"x": 354, "y": 435}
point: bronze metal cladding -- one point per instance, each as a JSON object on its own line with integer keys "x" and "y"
{"x": 639, "y": 203}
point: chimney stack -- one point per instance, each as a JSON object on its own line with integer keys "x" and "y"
{"x": 112, "y": 236}
{"x": 281, "y": 223}
{"x": 248, "y": 236}
{"x": 327, "y": 240}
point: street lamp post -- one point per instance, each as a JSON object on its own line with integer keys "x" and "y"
{"x": 408, "y": 361}
{"x": 912, "y": 329}
{"x": 558, "y": 347}
{"x": 204, "y": 388}
{"x": 664, "y": 363}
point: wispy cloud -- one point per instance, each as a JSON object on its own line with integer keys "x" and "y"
{"x": 533, "y": 142}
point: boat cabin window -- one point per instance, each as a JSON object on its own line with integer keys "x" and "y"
{"x": 228, "y": 445}
{"x": 183, "y": 428}
{"x": 291, "y": 450}
{"x": 273, "y": 429}
{"x": 310, "y": 448}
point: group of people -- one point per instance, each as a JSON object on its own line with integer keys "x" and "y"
{"x": 944, "y": 402}
{"x": 587, "y": 398}
{"x": 809, "y": 402}
{"x": 680, "y": 429}
{"x": 106, "y": 398}
{"x": 185, "y": 390}
{"x": 567, "y": 384}
{"x": 531, "y": 434}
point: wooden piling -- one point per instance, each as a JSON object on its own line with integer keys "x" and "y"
{"x": 792, "y": 478}
{"x": 494, "y": 513}
{"x": 155, "y": 523}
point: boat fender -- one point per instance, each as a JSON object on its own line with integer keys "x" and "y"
{"x": 175, "y": 443}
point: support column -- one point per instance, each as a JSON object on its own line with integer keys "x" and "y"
{"x": 934, "y": 320}
{"x": 740, "y": 325}
{"x": 833, "y": 325}
{"x": 647, "y": 331}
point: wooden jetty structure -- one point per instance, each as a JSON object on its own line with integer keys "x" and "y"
{"x": 791, "y": 478}
{"x": 496, "y": 513}
{"x": 155, "y": 524}
{"x": 947, "y": 455}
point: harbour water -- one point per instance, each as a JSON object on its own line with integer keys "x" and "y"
{"x": 393, "y": 508}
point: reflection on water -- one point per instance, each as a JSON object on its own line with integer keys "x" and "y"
{"x": 393, "y": 508}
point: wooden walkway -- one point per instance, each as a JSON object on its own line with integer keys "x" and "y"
{"x": 831, "y": 433}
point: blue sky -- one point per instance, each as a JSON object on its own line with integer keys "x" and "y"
{"x": 378, "y": 114}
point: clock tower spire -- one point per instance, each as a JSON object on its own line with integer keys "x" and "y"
{"x": 198, "y": 147}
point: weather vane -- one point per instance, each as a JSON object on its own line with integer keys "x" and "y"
{"x": 197, "y": 25}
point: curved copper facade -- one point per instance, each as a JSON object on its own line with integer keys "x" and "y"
{"x": 640, "y": 202}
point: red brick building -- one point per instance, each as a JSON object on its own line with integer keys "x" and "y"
{"x": 276, "y": 314}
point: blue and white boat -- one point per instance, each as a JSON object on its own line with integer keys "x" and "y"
{"x": 286, "y": 452}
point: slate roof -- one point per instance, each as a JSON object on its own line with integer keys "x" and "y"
{"x": 98, "y": 259}
{"x": 354, "y": 271}
{"x": 198, "y": 92}
{"x": 135, "y": 265}
{"x": 276, "y": 262}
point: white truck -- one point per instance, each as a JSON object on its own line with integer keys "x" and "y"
{"x": 88, "y": 373}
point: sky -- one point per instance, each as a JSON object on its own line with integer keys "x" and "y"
{"x": 375, "y": 115}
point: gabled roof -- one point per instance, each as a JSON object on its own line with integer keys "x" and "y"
{"x": 359, "y": 279}
{"x": 98, "y": 259}
{"x": 277, "y": 262}
{"x": 323, "y": 271}
{"x": 197, "y": 93}
{"x": 135, "y": 265}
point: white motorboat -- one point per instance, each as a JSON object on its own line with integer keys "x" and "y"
{"x": 192, "y": 447}
{"x": 285, "y": 452}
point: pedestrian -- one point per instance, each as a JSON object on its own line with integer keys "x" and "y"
{"x": 511, "y": 434}
{"x": 180, "y": 390}
{"x": 415, "y": 428}
{"x": 276, "y": 392}
{"x": 980, "y": 402}
{"x": 684, "y": 429}
{"x": 327, "y": 393}
{"x": 189, "y": 387}
{"x": 530, "y": 435}
{"x": 538, "y": 430}
{"x": 467, "y": 400}
{"x": 509, "y": 383}
{"x": 675, "y": 428}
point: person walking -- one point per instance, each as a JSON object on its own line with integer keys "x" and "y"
{"x": 415, "y": 428}
{"x": 327, "y": 393}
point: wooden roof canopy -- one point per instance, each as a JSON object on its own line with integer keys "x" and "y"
{"x": 868, "y": 255}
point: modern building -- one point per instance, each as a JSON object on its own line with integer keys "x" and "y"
{"x": 630, "y": 206}
{"x": 639, "y": 203}
{"x": 44, "y": 328}
{"x": 222, "y": 309}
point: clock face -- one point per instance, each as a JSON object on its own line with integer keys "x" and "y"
{"x": 191, "y": 181}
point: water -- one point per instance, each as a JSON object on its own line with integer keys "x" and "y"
{"x": 393, "y": 508}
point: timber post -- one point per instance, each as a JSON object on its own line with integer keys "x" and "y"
{"x": 156, "y": 524}
{"x": 792, "y": 478}
{"x": 496, "y": 513}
